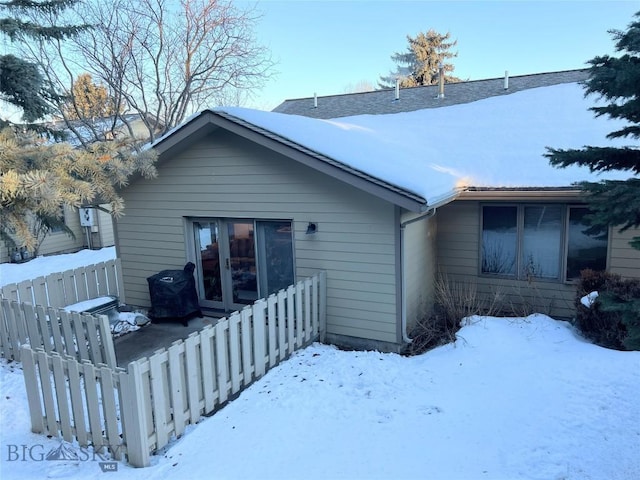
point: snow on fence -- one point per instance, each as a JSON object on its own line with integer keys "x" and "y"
{"x": 139, "y": 410}
{"x": 69, "y": 287}
{"x": 78, "y": 335}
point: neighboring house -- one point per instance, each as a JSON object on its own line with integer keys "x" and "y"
{"x": 97, "y": 234}
{"x": 100, "y": 233}
{"x": 106, "y": 128}
{"x": 383, "y": 203}
{"x": 379, "y": 102}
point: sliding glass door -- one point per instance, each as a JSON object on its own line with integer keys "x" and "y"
{"x": 207, "y": 241}
{"x": 276, "y": 256}
{"x": 239, "y": 261}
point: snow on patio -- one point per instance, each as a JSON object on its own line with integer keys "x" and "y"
{"x": 513, "y": 398}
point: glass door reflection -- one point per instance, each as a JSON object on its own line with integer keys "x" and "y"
{"x": 242, "y": 262}
{"x": 208, "y": 243}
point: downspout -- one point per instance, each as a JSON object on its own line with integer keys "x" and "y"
{"x": 403, "y": 316}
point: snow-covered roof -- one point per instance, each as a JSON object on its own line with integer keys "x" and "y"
{"x": 435, "y": 153}
{"x": 101, "y": 127}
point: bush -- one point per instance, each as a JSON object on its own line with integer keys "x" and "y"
{"x": 453, "y": 301}
{"x": 613, "y": 320}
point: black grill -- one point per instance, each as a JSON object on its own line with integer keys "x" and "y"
{"x": 173, "y": 295}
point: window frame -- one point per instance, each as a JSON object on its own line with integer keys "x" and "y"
{"x": 520, "y": 273}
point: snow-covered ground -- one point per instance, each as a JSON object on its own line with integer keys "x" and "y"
{"x": 513, "y": 398}
{"x": 42, "y": 266}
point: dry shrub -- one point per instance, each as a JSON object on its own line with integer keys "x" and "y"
{"x": 453, "y": 301}
{"x": 525, "y": 300}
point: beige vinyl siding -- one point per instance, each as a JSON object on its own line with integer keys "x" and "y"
{"x": 104, "y": 237}
{"x": 458, "y": 248}
{"x": 58, "y": 242}
{"x": 223, "y": 176}
{"x": 419, "y": 264}
{"x": 5, "y": 253}
{"x": 623, "y": 259}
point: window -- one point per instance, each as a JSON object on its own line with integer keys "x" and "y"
{"x": 499, "y": 240}
{"x": 583, "y": 250}
{"x": 539, "y": 241}
{"x": 58, "y": 225}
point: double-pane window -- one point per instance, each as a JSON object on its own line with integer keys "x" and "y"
{"x": 584, "y": 250}
{"x": 499, "y": 240}
{"x": 539, "y": 241}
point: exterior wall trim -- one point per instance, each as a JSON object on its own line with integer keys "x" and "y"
{"x": 522, "y": 194}
{"x": 400, "y": 286}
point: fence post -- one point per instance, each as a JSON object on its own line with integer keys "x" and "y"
{"x": 245, "y": 345}
{"x": 323, "y": 306}
{"x": 33, "y": 392}
{"x": 291, "y": 318}
{"x": 307, "y": 310}
{"x": 134, "y": 414}
{"x": 120, "y": 281}
{"x": 55, "y": 291}
{"x": 259, "y": 339}
{"x": 299, "y": 315}
{"x": 10, "y": 292}
{"x": 20, "y": 324}
{"x": 106, "y": 339}
{"x": 10, "y": 340}
{"x": 31, "y": 325}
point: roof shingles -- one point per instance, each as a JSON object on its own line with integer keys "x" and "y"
{"x": 418, "y": 98}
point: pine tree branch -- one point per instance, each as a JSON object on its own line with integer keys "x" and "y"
{"x": 598, "y": 159}
{"x": 17, "y": 29}
{"x": 613, "y": 202}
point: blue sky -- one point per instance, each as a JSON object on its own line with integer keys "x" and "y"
{"x": 326, "y": 46}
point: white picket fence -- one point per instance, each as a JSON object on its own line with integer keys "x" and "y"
{"x": 30, "y": 312}
{"x": 78, "y": 335}
{"x": 69, "y": 287}
{"x": 75, "y": 400}
{"x": 138, "y": 410}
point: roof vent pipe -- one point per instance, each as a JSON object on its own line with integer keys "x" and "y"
{"x": 441, "y": 80}
{"x": 315, "y": 100}
{"x": 506, "y": 80}
{"x": 397, "y": 89}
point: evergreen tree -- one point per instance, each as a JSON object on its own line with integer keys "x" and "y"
{"x": 88, "y": 100}
{"x": 420, "y": 63}
{"x": 616, "y": 79}
{"x": 36, "y": 175}
{"x": 21, "y": 82}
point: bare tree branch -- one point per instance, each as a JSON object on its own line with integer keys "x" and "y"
{"x": 162, "y": 59}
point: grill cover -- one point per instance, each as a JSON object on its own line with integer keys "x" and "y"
{"x": 173, "y": 295}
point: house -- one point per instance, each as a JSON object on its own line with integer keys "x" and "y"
{"x": 92, "y": 228}
{"x": 383, "y": 203}
{"x": 382, "y": 102}
{"x": 90, "y": 130}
